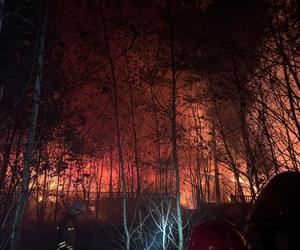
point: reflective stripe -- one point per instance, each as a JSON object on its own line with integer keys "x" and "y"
{"x": 70, "y": 228}
{"x": 69, "y": 247}
{"x": 62, "y": 244}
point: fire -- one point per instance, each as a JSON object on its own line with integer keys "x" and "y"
{"x": 186, "y": 200}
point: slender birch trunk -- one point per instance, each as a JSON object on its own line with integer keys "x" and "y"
{"x": 174, "y": 132}
{"x": 118, "y": 130}
{"x": 24, "y": 191}
{"x": 134, "y": 130}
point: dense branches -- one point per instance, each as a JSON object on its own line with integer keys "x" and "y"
{"x": 191, "y": 103}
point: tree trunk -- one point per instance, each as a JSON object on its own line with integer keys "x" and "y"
{"x": 251, "y": 161}
{"x": 98, "y": 187}
{"x": 157, "y": 144}
{"x": 24, "y": 191}
{"x": 232, "y": 163}
{"x": 6, "y": 159}
{"x": 111, "y": 188}
{"x": 56, "y": 200}
{"x": 132, "y": 113}
{"x": 1, "y": 24}
{"x": 174, "y": 132}
{"x": 1, "y": 13}
{"x": 118, "y": 130}
{"x": 216, "y": 165}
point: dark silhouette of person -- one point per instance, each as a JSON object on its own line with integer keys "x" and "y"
{"x": 273, "y": 222}
{"x": 66, "y": 227}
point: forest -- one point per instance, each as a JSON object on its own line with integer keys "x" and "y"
{"x": 155, "y": 114}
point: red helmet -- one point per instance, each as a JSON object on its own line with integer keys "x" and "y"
{"x": 217, "y": 235}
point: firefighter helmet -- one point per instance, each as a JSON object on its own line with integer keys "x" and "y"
{"x": 278, "y": 204}
{"x": 217, "y": 235}
{"x": 273, "y": 221}
{"x": 77, "y": 208}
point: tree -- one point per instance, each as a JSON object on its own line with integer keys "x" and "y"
{"x": 117, "y": 124}
{"x": 174, "y": 130}
{"x": 1, "y": 21}
{"x": 24, "y": 190}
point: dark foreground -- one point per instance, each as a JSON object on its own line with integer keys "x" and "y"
{"x": 99, "y": 235}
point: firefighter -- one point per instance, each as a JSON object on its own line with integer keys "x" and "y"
{"x": 273, "y": 222}
{"x": 66, "y": 227}
{"x": 217, "y": 235}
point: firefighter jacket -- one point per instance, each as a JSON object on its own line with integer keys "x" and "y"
{"x": 66, "y": 233}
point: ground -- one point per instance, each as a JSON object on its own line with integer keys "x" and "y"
{"x": 92, "y": 235}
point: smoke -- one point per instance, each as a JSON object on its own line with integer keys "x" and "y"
{"x": 210, "y": 37}
{"x": 221, "y": 44}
